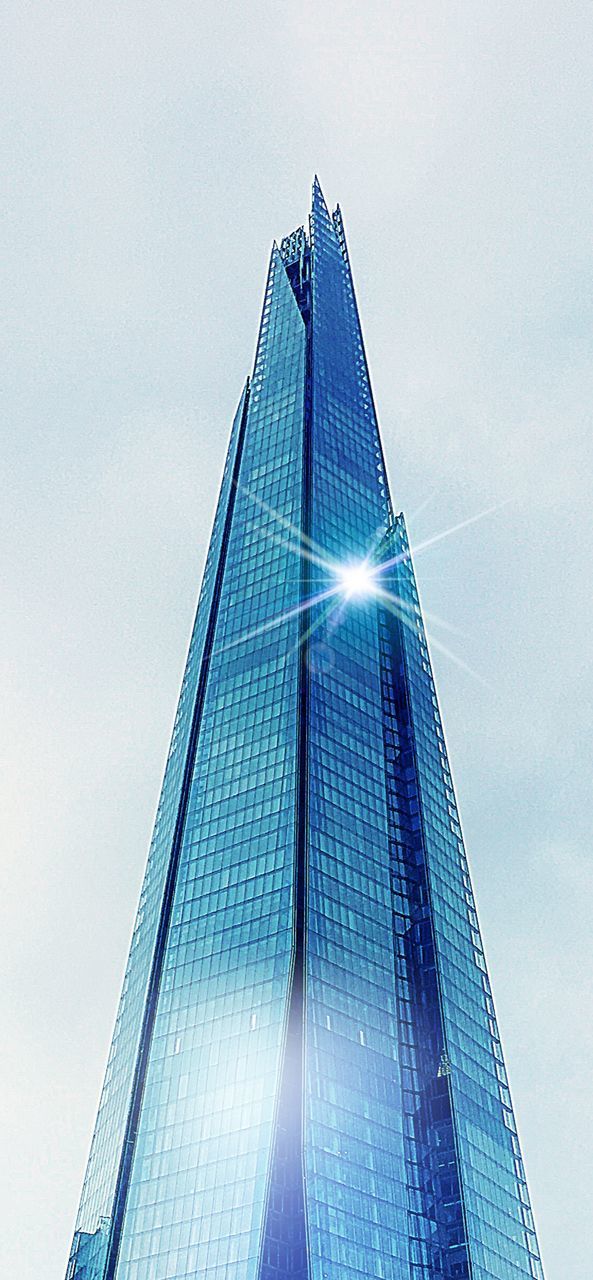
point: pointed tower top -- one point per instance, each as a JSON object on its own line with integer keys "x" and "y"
{"x": 317, "y": 195}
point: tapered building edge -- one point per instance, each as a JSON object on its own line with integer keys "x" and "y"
{"x": 440, "y": 1100}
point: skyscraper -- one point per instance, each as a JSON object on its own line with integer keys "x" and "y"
{"x": 306, "y": 1080}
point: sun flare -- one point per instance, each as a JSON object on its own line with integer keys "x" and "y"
{"x": 357, "y": 580}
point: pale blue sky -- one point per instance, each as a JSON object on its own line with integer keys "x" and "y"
{"x": 152, "y": 153}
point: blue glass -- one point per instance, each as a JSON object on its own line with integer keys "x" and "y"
{"x": 306, "y": 1080}
{"x": 355, "y": 1175}
{"x": 488, "y": 1169}
{"x": 93, "y": 1225}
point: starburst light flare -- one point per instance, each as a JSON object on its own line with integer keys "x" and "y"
{"x": 357, "y": 579}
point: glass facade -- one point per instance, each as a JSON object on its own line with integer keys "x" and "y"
{"x": 306, "y": 1079}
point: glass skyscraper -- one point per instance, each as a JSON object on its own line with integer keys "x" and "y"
{"x": 306, "y": 1079}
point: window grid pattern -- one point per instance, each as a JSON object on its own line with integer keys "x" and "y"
{"x": 436, "y": 1225}
{"x": 358, "y": 1127}
{"x": 89, "y": 1250}
{"x": 198, "y": 1184}
{"x": 500, "y": 1227}
{"x": 353, "y": 1137}
{"x": 284, "y": 1241}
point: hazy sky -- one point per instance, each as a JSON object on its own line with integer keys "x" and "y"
{"x": 152, "y": 153}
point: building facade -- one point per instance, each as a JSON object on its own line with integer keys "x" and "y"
{"x": 306, "y": 1079}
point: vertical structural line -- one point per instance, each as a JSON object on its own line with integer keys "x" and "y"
{"x": 150, "y": 1007}
{"x": 397, "y": 626}
{"x": 298, "y": 998}
{"x": 284, "y": 1253}
{"x": 303, "y": 721}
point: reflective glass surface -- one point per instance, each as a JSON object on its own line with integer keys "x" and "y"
{"x": 91, "y": 1238}
{"x": 354, "y": 1141}
{"x": 499, "y": 1222}
{"x": 306, "y": 1080}
{"x": 197, "y": 1189}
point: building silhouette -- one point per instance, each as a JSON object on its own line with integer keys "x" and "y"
{"x": 306, "y": 1079}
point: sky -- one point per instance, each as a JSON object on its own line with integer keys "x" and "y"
{"x": 150, "y": 154}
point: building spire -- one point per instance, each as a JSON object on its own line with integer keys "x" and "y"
{"x": 318, "y": 199}
{"x": 307, "y": 909}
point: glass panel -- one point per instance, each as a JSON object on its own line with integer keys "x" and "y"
{"x": 89, "y": 1248}
{"x": 356, "y": 1198}
{"x": 306, "y": 1080}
